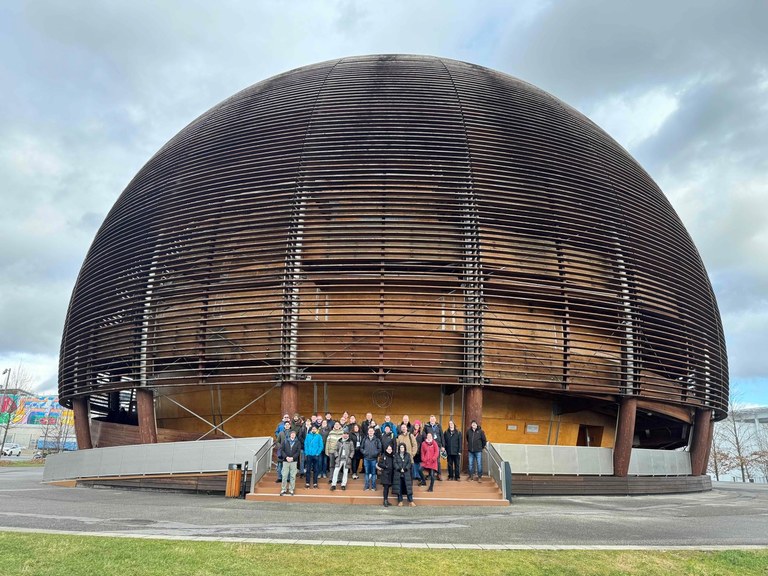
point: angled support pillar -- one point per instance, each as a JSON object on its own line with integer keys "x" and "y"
{"x": 703, "y": 428}
{"x": 625, "y": 432}
{"x": 145, "y": 407}
{"x": 82, "y": 423}
{"x": 289, "y": 398}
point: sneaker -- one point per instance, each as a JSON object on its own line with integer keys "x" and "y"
{"x": 413, "y": 503}
{"x": 355, "y": 476}
{"x": 282, "y": 493}
{"x": 333, "y": 488}
{"x": 478, "y": 478}
{"x": 400, "y": 503}
{"x": 314, "y": 486}
{"x": 291, "y": 492}
{"x": 279, "y": 481}
{"x": 343, "y": 487}
{"x": 439, "y": 478}
{"x": 306, "y": 485}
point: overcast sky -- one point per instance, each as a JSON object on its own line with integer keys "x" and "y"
{"x": 90, "y": 90}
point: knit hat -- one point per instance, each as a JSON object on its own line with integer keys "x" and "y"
{"x": 417, "y": 422}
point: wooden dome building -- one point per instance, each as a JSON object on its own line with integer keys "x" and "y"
{"x": 395, "y": 234}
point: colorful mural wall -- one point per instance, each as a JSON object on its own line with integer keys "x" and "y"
{"x": 34, "y": 410}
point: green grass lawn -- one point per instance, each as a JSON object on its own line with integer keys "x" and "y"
{"x": 22, "y": 463}
{"x": 50, "y": 554}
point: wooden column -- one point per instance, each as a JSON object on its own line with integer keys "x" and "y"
{"x": 625, "y": 432}
{"x": 702, "y": 439}
{"x": 289, "y": 398}
{"x": 82, "y": 423}
{"x": 473, "y": 410}
{"x": 145, "y": 408}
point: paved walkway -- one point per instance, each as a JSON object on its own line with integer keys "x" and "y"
{"x": 731, "y": 516}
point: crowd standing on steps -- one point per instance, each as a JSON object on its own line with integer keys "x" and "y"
{"x": 393, "y": 455}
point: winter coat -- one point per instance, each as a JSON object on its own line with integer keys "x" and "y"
{"x": 403, "y": 468}
{"x": 291, "y": 450}
{"x": 313, "y": 444}
{"x": 344, "y": 448}
{"x": 385, "y": 468}
{"x": 356, "y": 438}
{"x": 419, "y": 440}
{"x": 476, "y": 440}
{"x": 411, "y": 446}
{"x": 437, "y": 432}
{"x": 391, "y": 426}
{"x": 333, "y": 438}
{"x": 370, "y": 447}
{"x": 388, "y": 440}
{"x": 429, "y": 455}
{"x": 452, "y": 442}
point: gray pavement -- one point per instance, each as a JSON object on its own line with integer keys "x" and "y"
{"x": 731, "y": 515}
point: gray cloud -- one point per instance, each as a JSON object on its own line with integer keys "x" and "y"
{"x": 97, "y": 88}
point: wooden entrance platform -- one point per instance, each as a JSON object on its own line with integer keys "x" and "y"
{"x": 446, "y": 493}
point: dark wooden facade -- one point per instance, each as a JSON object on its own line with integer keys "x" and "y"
{"x": 394, "y": 223}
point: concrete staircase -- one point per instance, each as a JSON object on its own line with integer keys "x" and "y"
{"x": 446, "y": 493}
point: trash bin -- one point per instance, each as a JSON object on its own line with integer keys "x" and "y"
{"x": 234, "y": 480}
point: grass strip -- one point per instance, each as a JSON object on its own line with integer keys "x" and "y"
{"x": 51, "y": 554}
{"x": 22, "y": 463}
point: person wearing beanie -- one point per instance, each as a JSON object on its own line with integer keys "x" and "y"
{"x": 343, "y": 459}
{"x": 330, "y": 446}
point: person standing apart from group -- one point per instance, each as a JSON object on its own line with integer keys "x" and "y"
{"x": 476, "y": 442}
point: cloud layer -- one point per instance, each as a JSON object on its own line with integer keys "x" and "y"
{"x": 94, "y": 89}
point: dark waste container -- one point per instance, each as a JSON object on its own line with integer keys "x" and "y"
{"x": 234, "y": 480}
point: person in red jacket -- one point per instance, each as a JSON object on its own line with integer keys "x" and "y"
{"x": 430, "y": 452}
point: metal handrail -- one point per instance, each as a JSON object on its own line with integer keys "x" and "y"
{"x": 257, "y": 458}
{"x": 503, "y": 468}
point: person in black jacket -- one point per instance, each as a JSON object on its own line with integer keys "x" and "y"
{"x": 385, "y": 468}
{"x": 402, "y": 476}
{"x": 291, "y": 448}
{"x": 452, "y": 445}
{"x": 371, "y": 448}
{"x": 476, "y": 442}
{"x": 356, "y": 437}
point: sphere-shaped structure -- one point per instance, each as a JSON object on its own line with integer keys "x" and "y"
{"x": 381, "y": 232}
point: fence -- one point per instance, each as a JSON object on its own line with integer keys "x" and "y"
{"x": 585, "y": 461}
{"x": 163, "y": 458}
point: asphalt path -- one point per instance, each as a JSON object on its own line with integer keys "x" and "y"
{"x": 730, "y": 515}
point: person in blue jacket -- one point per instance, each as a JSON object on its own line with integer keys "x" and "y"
{"x": 313, "y": 448}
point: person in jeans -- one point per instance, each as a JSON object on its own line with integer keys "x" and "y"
{"x": 285, "y": 429}
{"x": 343, "y": 459}
{"x": 371, "y": 448}
{"x": 452, "y": 445}
{"x": 476, "y": 442}
{"x": 401, "y": 477}
{"x": 418, "y": 434}
{"x": 356, "y": 437}
{"x": 290, "y": 448}
{"x": 313, "y": 448}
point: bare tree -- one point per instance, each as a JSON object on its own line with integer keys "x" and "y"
{"x": 760, "y": 455}
{"x": 16, "y": 383}
{"x": 737, "y": 440}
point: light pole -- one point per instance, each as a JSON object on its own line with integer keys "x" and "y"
{"x": 7, "y": 372}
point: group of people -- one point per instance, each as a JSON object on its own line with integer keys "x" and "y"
{"x": 395, "y": 455}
